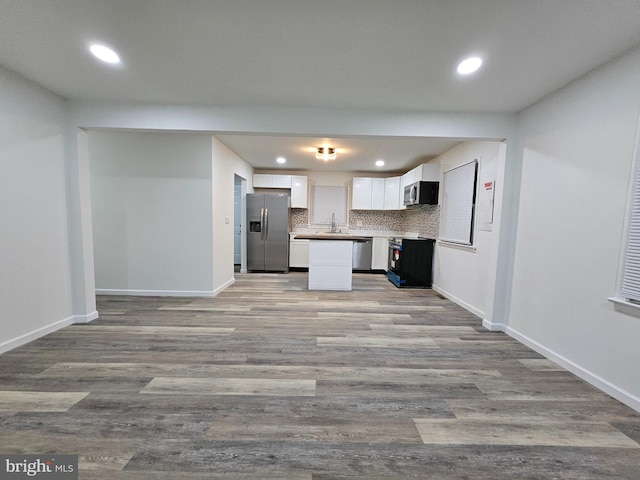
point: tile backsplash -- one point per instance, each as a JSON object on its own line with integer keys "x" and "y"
{"x": 423, "y": 220}
{"x": 299, "y": 218}
{"x": 382, "y": 220}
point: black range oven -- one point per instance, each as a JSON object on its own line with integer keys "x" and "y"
{"x": 410, "y": 262}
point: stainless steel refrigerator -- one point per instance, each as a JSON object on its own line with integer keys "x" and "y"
{"x": 268, "y": 233}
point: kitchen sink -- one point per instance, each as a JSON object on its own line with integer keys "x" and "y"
{"x": 342, "y": 234}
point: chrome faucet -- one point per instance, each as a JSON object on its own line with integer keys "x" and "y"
{"x": 333, "y": 223}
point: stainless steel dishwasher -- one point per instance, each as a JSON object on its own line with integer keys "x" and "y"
{"x": 362, "y": 254}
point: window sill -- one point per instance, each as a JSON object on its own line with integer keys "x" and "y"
{"x": 458, "y": 246}
{"x": 624, "y": 306}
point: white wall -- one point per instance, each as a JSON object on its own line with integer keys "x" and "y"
{"x": 464, "y": 274}
{"x": 225, "y": 165}
{"x": 152, "y": 214}
{"x": 576, "y": 148}
{"x": 35, "y": 273}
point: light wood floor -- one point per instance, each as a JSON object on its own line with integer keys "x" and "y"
{"x": 271, "y": 381}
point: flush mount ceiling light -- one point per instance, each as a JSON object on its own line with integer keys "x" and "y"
{"x": 281, "y": 160}
{"x": 469, "y": 65}
{"x": 105, "y": 54}
{"x": 326, "y": 153}
{"x": 379, "y": 163}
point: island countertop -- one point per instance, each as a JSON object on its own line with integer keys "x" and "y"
{"x": 331, "y": 236}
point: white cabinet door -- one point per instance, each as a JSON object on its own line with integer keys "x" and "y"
{"x": 299, "y": 197}
{"x": 377, "y": 193}
{"x": 380, "y": 253}
{"x": 299, "y": 254}
{"x": 266, "y": 180}
{"x": 361, "y": 193}
{"x": 409, "y": 178}
{"x": 281, "y": 181}
{"x": 330, "y": 265}
{"x": 262, "y": 180}
{"x": 392, "y": 193}
{"x": 429, "y": 172}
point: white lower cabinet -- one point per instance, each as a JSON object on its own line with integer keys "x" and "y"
{"x": 299, "y": 253}
{"x": 330, "y": 264}
{"x": 380, "y": 253}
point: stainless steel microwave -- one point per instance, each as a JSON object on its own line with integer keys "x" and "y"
{"x": 421, "y": 193}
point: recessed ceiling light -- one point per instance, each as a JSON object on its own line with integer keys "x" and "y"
{"x": 281, "y": 160}
{"x": 104, "y": 53}
{"x": 379, "y": 163}
{"x": 469, "y": 65}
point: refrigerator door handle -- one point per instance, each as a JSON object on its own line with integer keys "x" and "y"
{"x": 262, "y": 224}
{"x": 266, "y": 224}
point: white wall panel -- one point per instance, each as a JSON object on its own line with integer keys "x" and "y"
{"x": 152, "y": 220}
{"x": 35, "y": 270}
{"x": 576, "y": 151}
{"x": 467, "y": 275}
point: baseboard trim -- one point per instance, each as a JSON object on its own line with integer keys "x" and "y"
{"x": 165, "y": 293}
{"x": 458, "y": 301}
{"x": 224, "y": 286}
{"x": 494, "y": 327}
{"x": 35, "y": 334}
{"x": 155, "y": 293}
{"x": 616, "y": 392}
{"x": 85, "y": 318}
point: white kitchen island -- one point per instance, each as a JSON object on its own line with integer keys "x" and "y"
{"x": 330, "y": 260}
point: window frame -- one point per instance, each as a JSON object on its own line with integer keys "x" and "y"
{"x": 631, "y": 240}
{"x": 459, "y": 242}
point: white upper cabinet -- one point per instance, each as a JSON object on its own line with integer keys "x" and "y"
{"x": 392, "y": 193}
{"x": 409, "y": 178}
{"x": 266, "y": 180}
{"x": 361, "y": 193}
{"x": 299, "y": 192}
{"x": 367, "y": 193}
{"x": 262, "y": 180}
{"x": 377, "y": 193}
{"x": 297, "y": 184}
{"x": 427, "y": 172}
{"x": 281, "y": 181}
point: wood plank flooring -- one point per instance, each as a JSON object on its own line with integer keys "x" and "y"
{"x": 272, "y": 381}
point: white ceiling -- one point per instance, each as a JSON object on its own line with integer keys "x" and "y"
{"x": 357, "y": 54}
{"x": 354, "y": 154}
